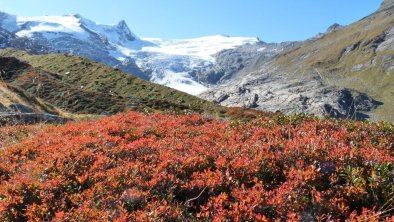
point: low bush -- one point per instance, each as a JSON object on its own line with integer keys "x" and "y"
{"x": 140, "y": 167}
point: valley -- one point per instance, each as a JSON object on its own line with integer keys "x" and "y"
{"x": 99, "y": 124}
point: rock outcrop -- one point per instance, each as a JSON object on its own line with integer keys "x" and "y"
{"x": 30, "y": 118}
{"x": 270, "y": 89}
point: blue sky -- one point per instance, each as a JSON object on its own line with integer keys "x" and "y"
{"x": 271, "y": 20}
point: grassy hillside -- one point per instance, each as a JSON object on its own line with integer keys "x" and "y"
{"x": 64, "y": 84}
{"x": 137, "y": 167}
{"x": 352, "y": 57}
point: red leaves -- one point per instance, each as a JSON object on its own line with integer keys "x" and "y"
{"x": 162, "y": 167}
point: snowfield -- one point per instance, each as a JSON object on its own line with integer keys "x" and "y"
{"x": 203, "y": 47}
{"x": 50, "y": 24}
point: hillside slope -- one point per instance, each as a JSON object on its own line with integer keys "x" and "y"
{"x": 59, "y": 84}
{"x": 346, "y": 71}
{"x": 359, "y": 56}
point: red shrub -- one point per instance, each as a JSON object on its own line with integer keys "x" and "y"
{"x": 177, "y": 168}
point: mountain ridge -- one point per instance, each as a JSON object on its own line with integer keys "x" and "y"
{"x": 356, "y": 58}
{"x": 386, "y": 5}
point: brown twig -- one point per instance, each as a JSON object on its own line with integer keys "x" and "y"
{"x": 195, "y": 198}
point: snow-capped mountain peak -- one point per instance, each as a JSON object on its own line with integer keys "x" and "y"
{"x": 117, "y": 34}
{"x": 122, "y": 25}
{"x": 173, "y": 63}
{"x": 75, "y": 25}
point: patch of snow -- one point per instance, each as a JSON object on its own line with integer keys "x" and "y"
{"x": 204, "y": 47}
{"x": 181, "y": 81}
{"x": 50, "y": 24}
{"x": 132, "y": 48}
{"x": 117, "y": 55}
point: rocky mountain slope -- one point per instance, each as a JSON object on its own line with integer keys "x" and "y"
{"x": 346, "y": 72}
{"x": 229, "y": 62}
{"x": 63, "y": 85}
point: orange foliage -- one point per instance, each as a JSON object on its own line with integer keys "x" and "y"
{"x": 176, "y": 168}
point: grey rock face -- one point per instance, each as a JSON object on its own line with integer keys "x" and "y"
{"x": 271, "y": 89}
{"x": 387, "y": 41}
{"x": 3, "y": 108}
{"x": 21, "y": 114}
{"x": 230, "y": 62}
{"x": 9, "y": 40}
{"x": 387, "y": 4}
{"x": 20, "y": 108}
{"x": 30, "y": 118}
{"x": 8, "y": 37}
{"x": 334, "y": 27}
